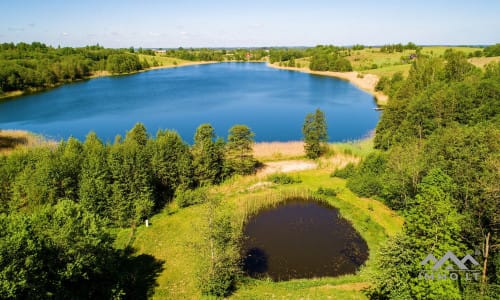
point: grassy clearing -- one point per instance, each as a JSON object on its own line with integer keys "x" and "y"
{"x": 389, "y": 71}
{"x": 482, "y": 61}
{"x": 366, "y": 59}
{"x": 12, "y": 140}
{"x": 171, "y": 238}
{"x": 372, "y": 61}
{"x": 439, "y": 50}
{"x": 175, "y": 233}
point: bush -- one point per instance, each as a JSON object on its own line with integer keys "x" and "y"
{"x": 326, "y": 191}
{"x": 366, "y": 180}
{"x": 383, "y": 84}
{"x": 345, "y": 172}
{"x": 185, "y": 198}
{"x": 280, "y": 178}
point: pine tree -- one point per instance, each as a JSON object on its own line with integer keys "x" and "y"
{"x": 315, "y": 134}
{"x": 132, "y": 188}
{"x": 239, "y": 150}
{"x": 208, "y": 159}
{"x": 95, "y": 178}
{"x": 171, "y": 163}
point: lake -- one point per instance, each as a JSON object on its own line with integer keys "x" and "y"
{"x": 272, "y": 102}
{"x": 301, "y": 239}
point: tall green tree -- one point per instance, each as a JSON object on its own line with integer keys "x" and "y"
{"x": 315, "y": 134}
{"x": 132, "y": 188}
{"x": 239, "y": 156}
{"x": 207, "y": 154}
{"x": 172, "y": 163}
{"x": 218, "y": 266}
{"x": 95, "y": 177}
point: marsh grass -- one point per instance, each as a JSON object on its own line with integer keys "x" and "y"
{"x": 269, "y": 151}
{"x": 13, "y": 140}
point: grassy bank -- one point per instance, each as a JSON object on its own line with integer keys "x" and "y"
{"x": 13, "y": 140}
{"x": 175, "y": 233}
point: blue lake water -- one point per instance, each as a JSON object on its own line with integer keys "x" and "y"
{"x": 273, "y": 103}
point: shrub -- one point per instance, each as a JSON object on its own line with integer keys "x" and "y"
{"x": 345, "y": 172}
{"x": 185, "y": 198}
{"x": 366, "y": 181}
{"x": 280, "y": 178}
{"x": 326, "y": 191}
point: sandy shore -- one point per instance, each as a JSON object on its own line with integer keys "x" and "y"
{"x": 367, "y": 82}
{"x": 184, "y": 64}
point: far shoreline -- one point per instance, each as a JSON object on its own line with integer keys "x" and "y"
{"x": 97, "y": 74}
{"x": 367, "y": 82}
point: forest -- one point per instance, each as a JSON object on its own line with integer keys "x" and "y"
{"x": 436, "y": 160}
{"x": 58, "y": 205}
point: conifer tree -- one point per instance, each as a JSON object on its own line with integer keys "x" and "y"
{"x": 239, "y": 150}
{"x": 95, "y": 178}
{"x": 315, "y": 134}
{"x": 207, "y": 154}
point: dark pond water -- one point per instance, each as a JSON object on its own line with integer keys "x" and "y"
{"x": 301, "y": 239}
{"x": 272, "y": 102}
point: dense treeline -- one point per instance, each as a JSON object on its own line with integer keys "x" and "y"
{"x": 32, "y": 66}
{"x": 57, "y": 202}
{"x": 493, "y": 50}
{"x": 399, "y": 47}
{"x": 205, "y": 54}
{"x": 123, "y": 182}
{"x": 329, "y": 58}
{"x": 285, "y": 54}
{"x": 322, "y": 57}
{"x": 437, "y": 162}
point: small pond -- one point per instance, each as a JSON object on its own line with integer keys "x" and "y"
{"x": 301, "y": 238}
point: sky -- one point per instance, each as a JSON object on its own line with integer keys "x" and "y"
{"x": 256, "y": 23}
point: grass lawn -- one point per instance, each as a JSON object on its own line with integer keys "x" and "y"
{"x": 174, "y": 235}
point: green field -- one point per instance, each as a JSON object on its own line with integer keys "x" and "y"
{"x": 372, "y": 61}
{"x": 175, "y": 234}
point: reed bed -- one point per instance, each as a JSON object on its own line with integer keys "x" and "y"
{"x": 278, "y": 150}
{"x": 11, "y": 140}
{"x": 249, "y": 205}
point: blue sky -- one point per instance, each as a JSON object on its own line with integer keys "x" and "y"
{"x": 190, "y": 23}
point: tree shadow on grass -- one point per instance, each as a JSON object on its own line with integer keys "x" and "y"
{"x": 138, "y": 274}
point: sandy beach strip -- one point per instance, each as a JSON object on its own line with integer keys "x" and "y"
{"x": 366, "y": 82}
